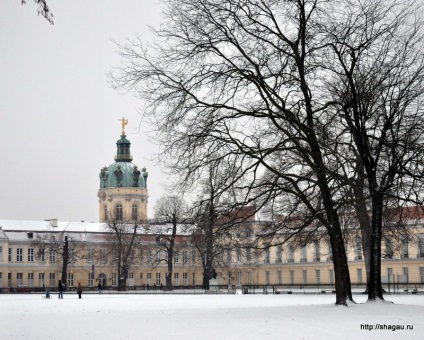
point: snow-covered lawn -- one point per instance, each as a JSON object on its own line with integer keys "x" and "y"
{"x": 118, "y": 316}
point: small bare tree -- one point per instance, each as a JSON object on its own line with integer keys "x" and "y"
{"x": 123, "y": 240}
{"x": 58, "y": 245}
{"x": 170, "y": 211}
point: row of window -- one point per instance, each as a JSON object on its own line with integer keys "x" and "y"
{"x": 149, "y": 279}
{"x": 388, "y": 251}
{"x": 30, "y": 279}
{"x": 316, "y": 279}
{"x": 119, "y": 213}
{"x": 184, "y": 255}
{"x": 30, "y": 257}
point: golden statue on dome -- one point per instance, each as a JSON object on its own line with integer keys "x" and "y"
{"x": 123, "y": 123}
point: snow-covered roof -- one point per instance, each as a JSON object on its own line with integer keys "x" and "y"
{"x": 47, "y": 226}
{"x": 3, "y": 236}
{"x": 14, "y": 230}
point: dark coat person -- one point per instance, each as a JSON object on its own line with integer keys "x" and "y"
{"x": 60, "y": 289}
{"x": 79, "y": 290}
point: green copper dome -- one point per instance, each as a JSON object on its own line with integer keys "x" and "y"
{"x": 123, "y": 173}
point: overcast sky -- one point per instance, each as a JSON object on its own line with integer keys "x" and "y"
{"x": 59, "y": 117}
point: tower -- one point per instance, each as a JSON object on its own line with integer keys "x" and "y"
{"x": 123, "y": 187}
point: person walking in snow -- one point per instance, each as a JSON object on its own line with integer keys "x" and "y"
{"x": 60, "y": 289}
{"x": 99, "y": 287}
{"x": 79, "y": 290}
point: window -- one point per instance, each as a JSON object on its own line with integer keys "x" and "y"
{"x": 291, "y": 276}
{"x": 114, "y": 279}
{"x": 141, "y": 256}
{"x": 118, "y": 212}
{"x": 238, "y": 277}
{"x": 405, "y": 272}
{"x": 41, "y": 254}
{"x": 318, "y": 276}
{"x": 141, "y": 278}
{"x": 238, "y": 250}
{"x": 266, "y": 256}
{"x": 52, "y": 280}
{"x": 267, "y": 277}
{"x": 106, "y": 217}
{"x": 358, "y": 248}
{"x": 52, "y": 256}
{"x": 249, "y": 278}
{"x": 176, "y": 279}
{"x": 279, "y": 258}
{"x": 1, "y": 279}
{"x": 114, "y": 256}
{"x": 149, "y": 279}
{"x": 193, "y": 256}
{"x": 193, "y": 279}
{"x": 157, "y": 279}
{"x": 9, "y": 258}
{"x": 131, "y": 279}
{"x": 280, "y": 277}
{"x": 30, "y": 279}
{"x": 421, "y": 274}
{"x": 40, "y": 279}
{"x": 134, "y": 212}
{"x": 329, "y": 251}
{"x": 70, "y": 279}
{"x": 19, "y": 278}
{"x": 176, "y": 257}
{"x": 404, "y": 254}
{"x": 331, "y": 275}
{"x": 90, "y": 256}
{"x": 229, "y": 255}
{"x": 103, "y": 255}
{"x": 390, "y": 275}
{"x": 359, "y": 272}
{"x": 420, "y": 247}
{"x": 19, "y": 252}
{"x": 248, "y": 255}
{"x": 149, "y": 256}
{"x": 389, "y": 248}
{"x": 185, "y": 279}
{"x": 158, "y": 255}
{"x": 305, "y": 276}
{"x": 290, "y": 253}
{"x": 303, "y": 254}
{"x": 317, "y": 251}
{"x": 1, "y": 254}
{"x": 185, "y": 256}
{"x": 91, "y": 279}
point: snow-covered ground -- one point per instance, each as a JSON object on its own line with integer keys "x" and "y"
{"x": 157, "y": 316}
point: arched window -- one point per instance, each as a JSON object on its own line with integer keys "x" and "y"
{"x": 118, "y": 212}
{"x": 135, "y": 212}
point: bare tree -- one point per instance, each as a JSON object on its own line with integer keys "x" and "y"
{"x": 216, "y": 214}
{"x": 58, "y": 245}
{"x": 123, "y": 239}
{"x": 378, "y": 82}
{"x": 170, "y": 211}
{"x": 250, "y": 79}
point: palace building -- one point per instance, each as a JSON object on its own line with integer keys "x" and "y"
{"x": 31, "y": 251}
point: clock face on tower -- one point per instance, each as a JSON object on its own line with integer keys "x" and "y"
{"x": 103, "y": 196}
